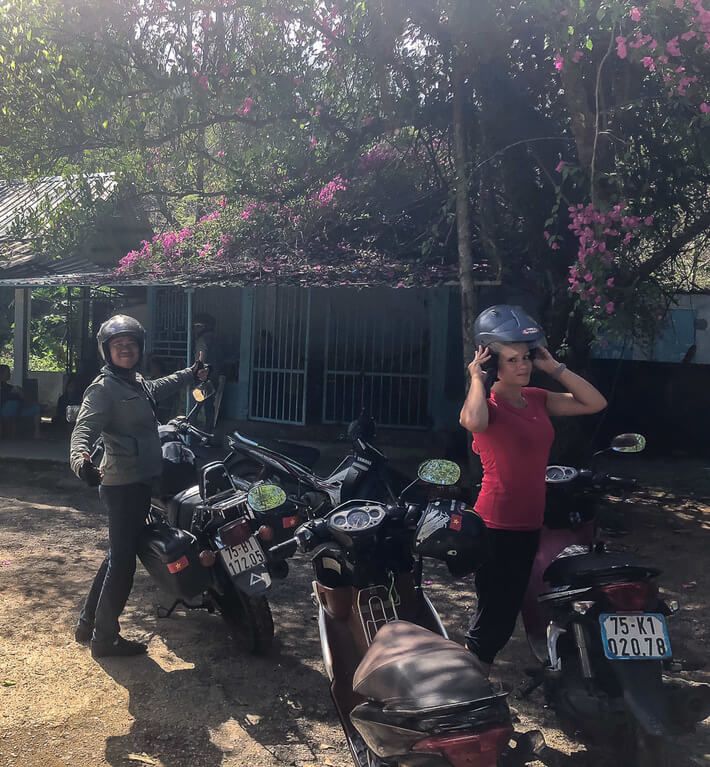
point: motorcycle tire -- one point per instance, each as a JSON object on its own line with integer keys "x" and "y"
{"x": 249, "y": 620}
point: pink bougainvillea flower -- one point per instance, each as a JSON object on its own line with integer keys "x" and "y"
{"x": 680, "y": 3}
{"x": 555, "y": 246}
{"x": 649, "y": 63}
{"x": 610, "y": 307}
{"x": 559, "y": 166}
{"x": 648, "y": 221}
{"x": 610, "y": 282}
{"x": 705, "y": 108}
{"x": 313, "y": 141}
{"x": 621, "y": 50}
{"x": 689, "y": 35}
{"x": 559, "y": 62}
{"x": 577, "y": 56}
{"x": 672, "y": 47}
{"x": 246, "y": 107}
{"x": 220, "y": 154}
{"x": 635, "y": 14}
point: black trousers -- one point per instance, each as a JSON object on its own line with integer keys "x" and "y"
{"x": 501, "y": 584}
{"x": 127, "y": 507}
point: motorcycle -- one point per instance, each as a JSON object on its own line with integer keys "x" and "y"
{"x": 198, "y": 540}
{"x": 597, "y": 625}
{"x": 404, "y": 693}
{"x": 362, "y": 474}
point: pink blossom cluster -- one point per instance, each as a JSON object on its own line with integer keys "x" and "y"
{"x": 250, "y": 209}
{"x": 326, "y": 195}
{"x": 135, "y": 259}
{"x": 668, "y": 59}
{"x": 213, "y": 216}
{"x": 375, "y": 158}
{"x": 246, "y": 107}
{"x": 598, "y": 233}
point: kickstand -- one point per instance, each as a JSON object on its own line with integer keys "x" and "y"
{"x": 537, "y": 677}
{"x": 167, "y": 612}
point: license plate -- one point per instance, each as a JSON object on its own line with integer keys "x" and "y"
{"x": 635, "y": 636}
{"x": 240, "y": 558}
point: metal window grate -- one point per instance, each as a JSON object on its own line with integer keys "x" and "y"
{"x": 377, "y": 356}
{"x": 169, "y": 336}
{"x": 281, "y": 324}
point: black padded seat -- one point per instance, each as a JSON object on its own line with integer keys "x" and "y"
{"x": 413, "y": 670}
{"x": 592, "y": 568}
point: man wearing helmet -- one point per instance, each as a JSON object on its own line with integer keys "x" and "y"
{"x": 512, "y": 434}
{"x": 119, "y": 406}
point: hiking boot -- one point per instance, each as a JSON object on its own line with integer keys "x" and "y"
{"x": 83, "y": 631}
{"x": 120, "y": 647}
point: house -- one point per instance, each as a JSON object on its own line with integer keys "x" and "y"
{"x": 293, "y": 356}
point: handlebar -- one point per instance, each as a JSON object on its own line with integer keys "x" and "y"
{"x": 284, "y": 550}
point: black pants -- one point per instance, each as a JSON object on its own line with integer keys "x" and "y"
{"x": 501, "y": 584}
{"x": 127, "y": 507}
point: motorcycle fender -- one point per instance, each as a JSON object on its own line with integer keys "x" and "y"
{"x": 645, "y": 698}
{"x": 253, "y": 582}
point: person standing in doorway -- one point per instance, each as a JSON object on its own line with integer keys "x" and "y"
{"x": 512, "y": 434}
{"x": 119, "y": 406}
{"x": 205, "y": 343}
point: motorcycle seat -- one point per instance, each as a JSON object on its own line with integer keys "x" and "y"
{"x": 596, "y": 567}
{"x": 303, "y": 454}
{"x": 411, "y": 669}
{"x": 181, "y": 507}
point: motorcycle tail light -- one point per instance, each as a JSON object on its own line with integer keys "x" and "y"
{"x": 290, "y": 522}
{"x": 479, "y": 749}
{"x": 631, "y": 596}
{"x": 234, "y": 533}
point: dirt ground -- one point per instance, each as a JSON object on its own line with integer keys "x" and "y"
{"x": 195, "y": 702}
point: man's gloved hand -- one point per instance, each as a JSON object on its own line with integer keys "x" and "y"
{"x": 90, "y": 473}
{"x": 200, "y": 370}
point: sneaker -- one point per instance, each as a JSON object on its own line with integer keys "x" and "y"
{"x": 83, "y": 631}
{"x": 120, "y": 647}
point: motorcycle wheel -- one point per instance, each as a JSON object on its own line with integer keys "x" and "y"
{"x": 249, "y": 619}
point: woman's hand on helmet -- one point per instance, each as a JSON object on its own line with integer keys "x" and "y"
{"x": 543, "y": 360}
{"x": 475, "y": 368}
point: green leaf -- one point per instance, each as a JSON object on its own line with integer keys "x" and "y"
{"x": 104, "y": 124}
{"x": 570, "y": 30}
{"x": 589, "y": 44}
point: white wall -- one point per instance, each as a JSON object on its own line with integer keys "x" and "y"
{"x": 700, "y": 304}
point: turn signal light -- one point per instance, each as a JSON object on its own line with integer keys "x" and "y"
{"x": 207, "y": 558}
{"x": 265, "y": 533}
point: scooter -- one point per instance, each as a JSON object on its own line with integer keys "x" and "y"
{"x": 405, "y": 694}
{"x": 362, "y": 474}
{"x": 597, "y": 625}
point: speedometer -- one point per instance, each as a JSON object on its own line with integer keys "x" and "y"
{"x": 358, "y": 519}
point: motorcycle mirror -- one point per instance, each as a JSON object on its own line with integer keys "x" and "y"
{"x": 72, "y": 413}
{"x": 265, "y": 497}
{"x": 438, "y": 471}
{"x": 628, "y": 443}
{"x": 203, "y": 392}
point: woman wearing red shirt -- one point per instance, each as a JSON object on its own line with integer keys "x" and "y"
{"x": 512, "y": 434}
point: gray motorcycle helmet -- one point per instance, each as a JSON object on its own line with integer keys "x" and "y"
{"x": 506, "y": 324}
{"x": 119, "y": 325}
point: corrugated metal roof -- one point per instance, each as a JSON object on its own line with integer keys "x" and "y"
{"x": 20, "y": 198}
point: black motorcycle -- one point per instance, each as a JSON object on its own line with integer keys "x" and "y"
{"x": 364, "y": 473}
{"x": 596, "y": 622}
{"x": 199, "y": 542}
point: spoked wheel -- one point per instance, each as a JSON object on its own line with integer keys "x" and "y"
{"x": 249, "y": 620}
{"x": 361, "y": 754}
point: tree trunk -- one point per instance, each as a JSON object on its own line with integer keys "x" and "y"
{"x": 469, "y": 302}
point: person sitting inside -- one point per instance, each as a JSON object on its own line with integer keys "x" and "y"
{"x": 15, "y": 407}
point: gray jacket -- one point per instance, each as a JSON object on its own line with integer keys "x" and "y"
{"x": 121, "y": 412}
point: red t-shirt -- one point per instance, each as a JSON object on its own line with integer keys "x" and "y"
{"x": 514, "y": 451}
